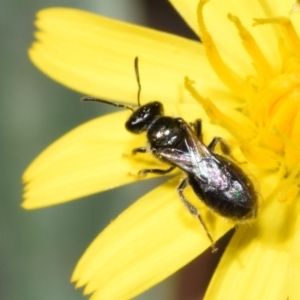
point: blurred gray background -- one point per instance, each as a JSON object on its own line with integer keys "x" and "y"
{"x": 39, "y": 248}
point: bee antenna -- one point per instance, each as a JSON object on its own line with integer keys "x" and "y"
{"x": 137, "y": 76}
{"x": 107, "y": 102}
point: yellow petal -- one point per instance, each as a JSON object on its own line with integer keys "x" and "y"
{"x": 93, "y": 157}
{"x": 256, "y": 264}
{"x": 216, "y": 19}
{"x": 294, "y": 287}
{"x": 251, "y": 273}
{"x": 294, "y": 15}
{"x": 148, "y": 242}
{"x": 187, "y": 9}
{"x": 94, "y": 55}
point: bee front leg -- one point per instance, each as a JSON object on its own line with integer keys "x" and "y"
{"x": 139, "y": 150}
{"x": 144, "y": 172}
{"x": 194, "y": 211}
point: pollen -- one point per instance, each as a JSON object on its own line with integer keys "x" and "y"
{"x": 268, "y": 98}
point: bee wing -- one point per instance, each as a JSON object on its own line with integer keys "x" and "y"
{"x": 217, "y": 181}
{"x": 189, "y": 156}
{"x": 216, "y": 176}
{"x": 198, "y": 152}
{"x": 176, "y": 157}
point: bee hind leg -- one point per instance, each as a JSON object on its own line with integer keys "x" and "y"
{"x": 194, "y": 211}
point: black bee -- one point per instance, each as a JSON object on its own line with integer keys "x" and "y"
{"x": 216, "y": 180}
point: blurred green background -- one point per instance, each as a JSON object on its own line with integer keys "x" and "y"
{"x": 39, "y": 248}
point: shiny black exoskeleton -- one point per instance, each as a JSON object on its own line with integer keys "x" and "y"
{"x": 216, "y": 180}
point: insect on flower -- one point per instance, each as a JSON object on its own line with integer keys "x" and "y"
{"x": 216, "y": 180}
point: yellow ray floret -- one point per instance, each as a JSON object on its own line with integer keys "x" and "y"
{"x": 77, "y": 165}
{"x": 262, "y": 257}
{"x": 94, "y": 55}
{"x": 150, "y": 240}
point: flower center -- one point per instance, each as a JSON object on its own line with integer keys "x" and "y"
{"x": 270, "y": 97}
{"x": 273, "y": 103}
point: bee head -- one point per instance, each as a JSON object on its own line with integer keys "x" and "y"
{"x": 144, "y": 116}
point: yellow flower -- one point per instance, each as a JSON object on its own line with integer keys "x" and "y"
{"x": 246, "y": 76}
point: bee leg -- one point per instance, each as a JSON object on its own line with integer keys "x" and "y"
{"x": 139, "y": 150}
{"x": 224, "y": 147}
{"x": 144, "y": 172}
{"x": 197, "y": 126}
{"x": 194, "y": 211}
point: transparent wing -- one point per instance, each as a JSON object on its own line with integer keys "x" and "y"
{"x": 189, "y": 156}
